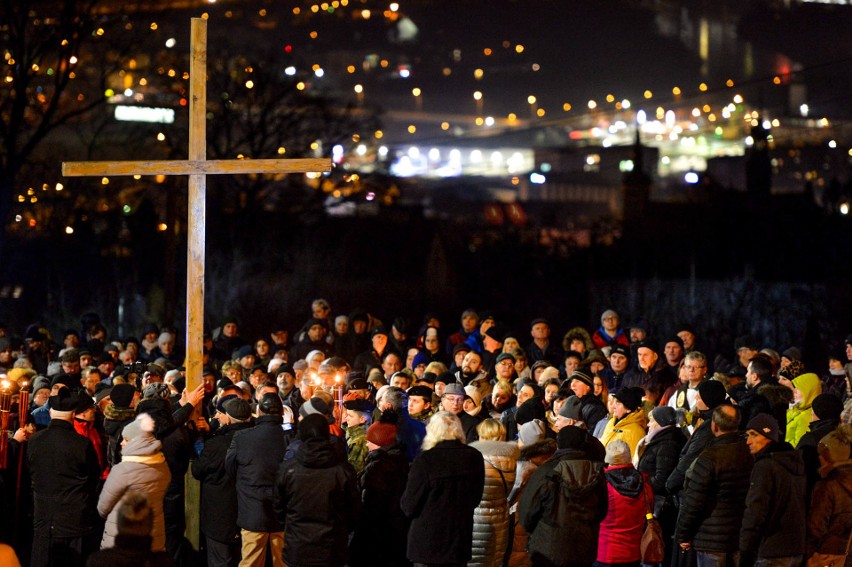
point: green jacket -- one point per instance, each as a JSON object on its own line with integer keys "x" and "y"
{"x": 356, "y": 444}
{"x": 799, "y": 416}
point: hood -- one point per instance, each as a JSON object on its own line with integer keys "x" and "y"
{"x": 143, "y": 444}
{"x": 636, "y": 416}
{"x": 497, "y": 449}
{"x": 626, "y": 480}
{"x": 316, "y": 454}
{"x": 783, "y": 454}
{"x": 666, "y": 433}
{"x": 810, "y": 387}
{"x": 576, "y": 475}
{"x": 776, "y": 394}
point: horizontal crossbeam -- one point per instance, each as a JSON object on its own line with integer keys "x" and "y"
{"x": 203, "y": 167}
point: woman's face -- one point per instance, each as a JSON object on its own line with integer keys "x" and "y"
{"x": 409, "y": 357}
{"x": 510, "y": 344}
{"x": 431, "y": 343}
{"x": 550, "y": 392}
{"x": 261, "y": 347}
{"x": 598, "y": 386}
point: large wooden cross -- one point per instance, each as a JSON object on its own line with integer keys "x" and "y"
{"x": 197, "y": 167}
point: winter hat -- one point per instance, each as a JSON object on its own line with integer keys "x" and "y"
{"x": 143, "y": 423}
{"x": 220, "y": 403}
{"x": 84, "y": 402}
{"x": 237, "y": 408}
{"x": 454, "y": 389}
{"x": 571, "y": 437}
{"x": 530, "y": 410}
{"x": 244, "y": 350}
{"x": 674, "y": 339}
{"x": 664, "y": 415}
{"x": 764, "y": 424}
{"x": 157, "y": 390}
{"x": 40, "y": 382}
{"x": 827, "y": 406}
{"x": 504, "y": 356}
{"x": 572, "y": 408}
{"x": 532, "y": 432}
{"x": 15, "y": 374}
{"x": 55, "y": 368}
{"x": 420, "y": 358}
{"x": 312, "y": 407}
{"x": 135, "y": 516}
{"x": 583, "y": 376}
{"x": 63, "y": 402}
{"x": 313, "y": 354}
{"x": 165, "y": 338}
{"x": 835, "y": 446}
{"x": 630, "y": 397}
{"x": 618, "y": 453}
{"x": 793, "y": 353}
{"x": 300, "y": 364}
{"x": 271, "y": 404}
{"x": 383, "y": 432}
{"x": 313, "y": 427}
{"x": 712, "y": 392}
{"x": 122, "y": 395}
{"x": 609, "y": 313}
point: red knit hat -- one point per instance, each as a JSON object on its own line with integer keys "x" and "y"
{"x": 383, "y": 432}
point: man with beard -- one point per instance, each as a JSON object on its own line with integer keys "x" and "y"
{"x": 287, "y": 390}
{"x": 471, "y": 368}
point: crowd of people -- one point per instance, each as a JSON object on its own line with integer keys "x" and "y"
{"x": 352, "y": 442}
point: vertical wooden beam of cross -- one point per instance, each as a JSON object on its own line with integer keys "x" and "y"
{"x": 197, "y": 167}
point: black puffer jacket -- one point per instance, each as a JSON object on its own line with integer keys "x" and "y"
{"x": 318, "y": 504}
{"x": 218, "y": 493}
{"x": 660, "y": 457}
{"x": 775, "y": 505}
{"x": 808, "y": 446}
{"x": 252, "y": 462}
{"x": 701, "y": 438}
{"x": 713, "y": 498}
{"x": 565, "y": 501}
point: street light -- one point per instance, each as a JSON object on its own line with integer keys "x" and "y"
{"x": 359, "y": 90}
{"x": 418, "y": 100}
{"x": 477, "y": 96}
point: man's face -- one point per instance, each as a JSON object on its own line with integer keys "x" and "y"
{"x": 694, "y": 370}
{"x": 380, "y": 341}
{"x": 360, "y": 327}
{"x": 618, "y": 362}
{"x": 751, "y": 377}
{"x": 320, "y": 311}
{"x": 572, "y": 363}
{"x": 610, "y": 323}
{"x": 279, "y": 337}
{"x": 637, "y": 334}
{"x": 580, "y": 388}
{"x": 40, "y": 397}
{"x": 401, "y": 381}
{"x": 417, "y": 404}
{"x": 525, "y": 394}
{"x": 229, "y": 330}
{"x": 92, "y": 380}
{"x": 209, "y": 382}
{"x": 540, "y": 331}
{"x": 391, "y": 364}
{"x": 756, "y": 442}
{"x": 72, "y": 367}
{"x": 106, "y": 368}
{"x": 257, "y": 377}
{"x": 673, "y": 353}
{"x": 247, "y": 361}
{"x": 85, "y": 360}
{"x": 260, "y": 392}
{"x": 316, "y": 333}
{"x": 353, "y": 418}
{"x": 504, "y": 369}
{"x": 688, "y": 339}
{"x": 285, "y": 382}
{"x": 468, "y": 323}
{"x": 167, "y": 348}
{"x": 472, "y": 363}
{"x": 409, "y": 356}
{"x": 453, "y": 403}
{"x": 125, "y": 357}
{"x": 72, "y": 341}
{"x": 485, "y": 325}
{"x": 647, "y": 358}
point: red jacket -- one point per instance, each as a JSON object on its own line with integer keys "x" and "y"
{"x": 621, "y": 529}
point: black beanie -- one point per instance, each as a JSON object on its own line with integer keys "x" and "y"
{"x": 712, "y": 392}
{"x": 571, "y": 437}
{"x": 313, "y": 427}
{"x": 530, "y": 410}
{"x": 827, "y": 406}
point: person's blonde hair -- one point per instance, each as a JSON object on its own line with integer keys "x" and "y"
{"x": 443, "y": 426}
{"x": 437, "y": 368}
{"x": 491, "y": 430}
{"x": 504, "y": 386}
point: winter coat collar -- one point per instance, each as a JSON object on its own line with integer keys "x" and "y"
{"x": 626, "y": 480}
{"x": 119, "y": 414}
{"x": 317, "y": 454}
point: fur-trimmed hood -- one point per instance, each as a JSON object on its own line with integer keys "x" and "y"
{"x": 497, "y": 449}
{"x": 544, "y": 448}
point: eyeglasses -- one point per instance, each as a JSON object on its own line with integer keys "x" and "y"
{"x": 688, "y": 367}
